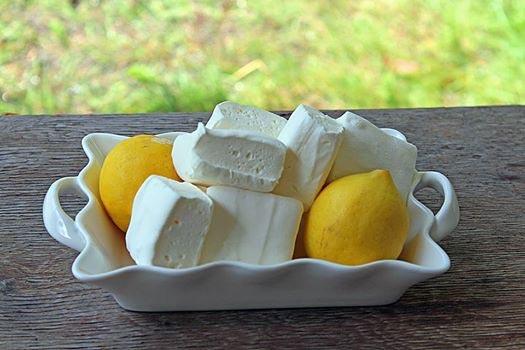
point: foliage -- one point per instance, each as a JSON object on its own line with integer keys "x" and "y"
{"x": 145, "y": 56}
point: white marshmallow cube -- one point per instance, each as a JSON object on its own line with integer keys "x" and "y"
{"x": 230, "y": 115}
{"x": 169, "y": 223}
{"x": 238, "y": 158}
{"x": 313, "y": 140}
{"x": 366, "y": 147}
{"x": 252, "y": 227}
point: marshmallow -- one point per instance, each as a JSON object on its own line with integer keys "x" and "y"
{"x": 312, "y": 139}
{"x": 237, "y": 158}
{"x": 169, "y": 223}
{"x": 252, "y": 227}
{"x": 230, "y": 115}
{"x": 365, "y": 147}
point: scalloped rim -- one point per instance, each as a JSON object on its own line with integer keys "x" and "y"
{"x": 163, "y": 271}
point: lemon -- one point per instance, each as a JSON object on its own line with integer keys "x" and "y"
{"x": 357, "y": 219}
{"x": 126, "y": 167}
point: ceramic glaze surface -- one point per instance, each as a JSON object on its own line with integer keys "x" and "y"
{"x": 105, "y": 262}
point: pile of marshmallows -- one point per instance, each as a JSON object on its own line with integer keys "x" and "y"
{"x": 260, "y": 172}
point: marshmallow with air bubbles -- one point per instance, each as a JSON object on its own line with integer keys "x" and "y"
{"x": 251, "y": 227}
{"x": 169, "y": 223}
{"x": 231, "y": 115}
{"x": 238, "y": 158}
{"x": 365, "y": 147}
{"x": 313, "y": 140}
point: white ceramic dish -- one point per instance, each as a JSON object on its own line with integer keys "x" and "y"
{"x": 104, "y": 261}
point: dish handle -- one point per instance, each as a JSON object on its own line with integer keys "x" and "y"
{"x": 59, "y": 224}
{"x": 447, "y": 218}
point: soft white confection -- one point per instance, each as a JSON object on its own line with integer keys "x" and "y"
{"x": 365, "y": 147}
{"x": 312, "y": 139}
{"x": 252, "y": 227}
{"x": 237, "y": 158}
{"x": 169, "y": 223}
{"x": 230, "y": 115}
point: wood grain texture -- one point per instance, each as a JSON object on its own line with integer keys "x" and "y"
{"x": 480, "y": 302}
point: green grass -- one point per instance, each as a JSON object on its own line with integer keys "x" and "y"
{"x": 145, "y": 56}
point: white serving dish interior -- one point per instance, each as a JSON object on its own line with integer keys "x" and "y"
{"x": 105, "y": 262}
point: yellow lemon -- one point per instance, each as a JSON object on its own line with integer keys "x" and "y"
{"x": 126, "y": 167}
{"x": 357, "y": 219}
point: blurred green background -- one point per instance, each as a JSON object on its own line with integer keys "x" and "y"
{"x": 96, "y": 56}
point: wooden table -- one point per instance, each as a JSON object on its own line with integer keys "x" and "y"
{"x": 480, "y": 302}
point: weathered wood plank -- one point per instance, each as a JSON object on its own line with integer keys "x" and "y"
{"x": 478, "y": 303}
